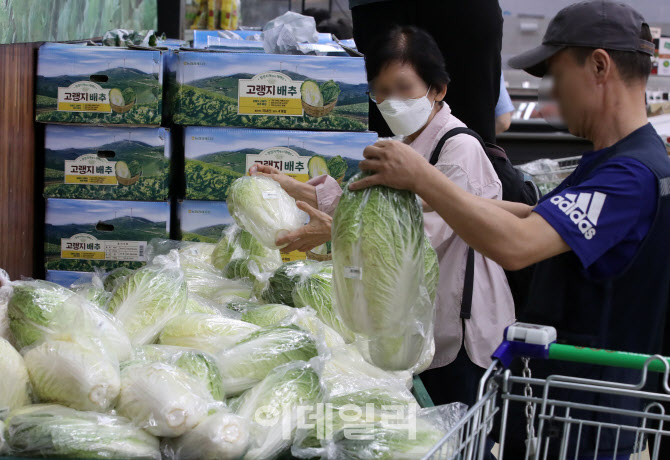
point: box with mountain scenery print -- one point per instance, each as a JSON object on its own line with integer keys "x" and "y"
{"x": 67, "y": 279}
{"x": 98, "y": 85}
{"x": 203, "y": 221}
{"x": 215, "y": 157}
{"x": 106, "y": 163}
{"x": 83, "y": 234}
{"x": 268, "y": 91}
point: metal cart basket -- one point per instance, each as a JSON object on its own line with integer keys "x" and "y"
{"x": 490, "y": 416}
{"x": 548, "y": 174}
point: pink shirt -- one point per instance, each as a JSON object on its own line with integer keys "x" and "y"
{"x": 465, "y": 163}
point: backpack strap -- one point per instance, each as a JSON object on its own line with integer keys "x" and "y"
{"x": 448, "y": 135}
{"x": 468, "y": 285}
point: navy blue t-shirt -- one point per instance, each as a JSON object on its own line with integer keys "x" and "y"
{"x": 605, "y": 217}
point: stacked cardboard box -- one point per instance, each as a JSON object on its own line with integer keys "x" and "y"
{"x": 305, "y": 115}
{"x": 107, "y": 161}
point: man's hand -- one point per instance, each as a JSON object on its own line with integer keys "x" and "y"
{"x": 315, "y": 233}
{"x": 296, "y": 189}
{"x": 393, "y": 164}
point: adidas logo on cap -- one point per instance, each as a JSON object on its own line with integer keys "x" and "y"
{"x": 583, "y": 209}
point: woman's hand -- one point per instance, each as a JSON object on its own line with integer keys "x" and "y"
{"x": 394, "y": 164}
{"x": 315, "y": 233}
{"x": 296, "y": 189}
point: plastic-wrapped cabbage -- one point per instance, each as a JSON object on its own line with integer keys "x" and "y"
{"x": 4, "y": 448}
{"x": 221, "y": 436}
{"x": 266, "y": 315}
{"x": 314, "y": 289}
{"x": 31, "y": 308}
{"x": 92, "y": 289}
{"x": 238, "y": 269}
{"x": 149, "y": 298}
{"x": 392, "y": 439}
{"x": 431, "y": 270}
{"x": 77, "y": 375}
{"x": 5, "y": 331}
{"x": 48, "y": 430}
{"x": 196, "y": 304}
{"x": 260, "y": 206}
{"x": 378, "y": 258}
{"x": 194, "y": 254}
{"x": 211, "y": 333}
{"x": 14, "y": 384}
{"x": 112, "y": 279}
{"x": 273, "y": 405}
{"x": 346, "y": 365}
{"x": 40, "y": 310}
{"x": 240, "y": 306}
{"x": 284, "y": 279}
{"x": 413, "y": 347}
{"x": 240, "y": 244}
{"x": 163, "y": 399}
{"x": 211, "y": 286}
{"x": 199, "y": 365}
{"x": 307, "y": 319}
{"x": 252, "y": 359}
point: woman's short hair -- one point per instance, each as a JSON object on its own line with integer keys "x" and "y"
{"x": 408, "y": 45}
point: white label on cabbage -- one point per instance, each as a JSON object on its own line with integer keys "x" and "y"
{"x": 270, "y": 195}
{"x": 354, "y": 273}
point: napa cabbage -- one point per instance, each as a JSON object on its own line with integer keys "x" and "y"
{"x": 211, "y": 333}
{"x": 14, "y": 384}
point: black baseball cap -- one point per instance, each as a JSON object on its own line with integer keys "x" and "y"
{"x": 593, "y": 24}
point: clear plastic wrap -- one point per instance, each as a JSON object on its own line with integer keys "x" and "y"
{"x": 198, "y": 364}
{"x": 196, "y": 304}
{"x": 4, "y": 447}
{"x": 75, "y": 374}
{"x": 253, "y": 358}
{"x": 5, "y": 331}
{"x": 163, "y": 399}
{"x": 14, "y": 383}
{"x": 273, "y": 404}
{"x": 92, "y": 288}
{"x": 210, "y": 285}
{"x": 267, "y": 315}
{"x": 431, "y": 269}
{"x": 149, "y": 298}
{"x": 399, "y": 438}
{"x": 210, "y": 333}
{"x": 381, "y": 293}
{"x": 283, "y": 34}
{"x": 40, "y": 310}
{"x": 32, "y": 306}
{"x": 280, "y": 285}
{"x": 112, "y": 279}
{"x": 306, "y": 318}
{"x": 260, "y": 206}
{"x": 50, "y": 430}
{"x": 314, "y": 289}
{"x": 221, "y": 436}
{"x": 239, "y": 245}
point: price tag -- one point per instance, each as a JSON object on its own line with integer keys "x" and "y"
{"x": 354, "y": 273}
{"x": 270, "y": 195}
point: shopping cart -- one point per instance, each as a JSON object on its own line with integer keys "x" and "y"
{"x": 548, "y": 174}
{"x": 468, "y": 439}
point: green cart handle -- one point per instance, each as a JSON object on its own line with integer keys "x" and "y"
{"x": 534, "y": 341}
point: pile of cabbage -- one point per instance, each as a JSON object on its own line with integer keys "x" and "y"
{"x": 219, "y": 351}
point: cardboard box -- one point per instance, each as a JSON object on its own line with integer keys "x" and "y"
{"x": 108, "y": 163}
{"x": 664, "y": 66}
{"x": 98, "y": 85}
{"x": 215, "y": 157}
{"x": 203, "y": 221}
{"x": 268, "y": 91}
{"x": 67, "y": 279}
{"x": 83, "y": 234}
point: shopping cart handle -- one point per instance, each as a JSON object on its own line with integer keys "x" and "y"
{"x": 525, "y": 340}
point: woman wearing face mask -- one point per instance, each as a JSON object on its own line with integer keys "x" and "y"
{"x": 408, "y": 82}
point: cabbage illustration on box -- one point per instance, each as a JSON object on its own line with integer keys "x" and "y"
{"x": 107, "y": 163}
{"x": 98, "y": 85}
{"x": 215, "y": 157}
{"x": 268, "y": 91}
{"x": 83, "y": 234}
{"x": 203, "y": 221}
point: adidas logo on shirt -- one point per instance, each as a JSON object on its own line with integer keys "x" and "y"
{"x": 583, "y": 209}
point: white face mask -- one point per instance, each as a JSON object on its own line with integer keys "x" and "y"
{"x": 407, "y": 116}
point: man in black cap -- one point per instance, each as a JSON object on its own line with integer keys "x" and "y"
{"x": 600, "y": 239}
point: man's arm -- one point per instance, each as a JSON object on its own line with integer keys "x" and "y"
{"x": 508, "y": 233}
